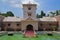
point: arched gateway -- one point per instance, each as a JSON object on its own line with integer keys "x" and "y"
{"x": 29, "y": 31}
{"x": 29, "y": 27}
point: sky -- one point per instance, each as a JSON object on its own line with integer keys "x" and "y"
{"x": 16, "y": 6}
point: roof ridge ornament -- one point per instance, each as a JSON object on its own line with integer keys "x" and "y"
{"x": 29, "y": 2}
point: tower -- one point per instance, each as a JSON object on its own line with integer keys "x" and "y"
{"x": 29, "y": 10}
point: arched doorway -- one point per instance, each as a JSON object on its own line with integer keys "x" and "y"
{"x": 29, "y": 27}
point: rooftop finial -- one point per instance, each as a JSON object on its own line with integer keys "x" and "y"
{"x": 29, "y": 2}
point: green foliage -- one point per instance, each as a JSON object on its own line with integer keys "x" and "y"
{"x": 52, "y": 14}
{"x": 56, "y": 13}
{"x": 38, "y": 16}
{"x": 41, "y": 14}
{"x": 9, "y": 13}
{"x": 4, "y": 14}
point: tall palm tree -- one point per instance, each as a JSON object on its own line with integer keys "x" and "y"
{"x": 57, "y": 13}
{"x": 52, "y": 14}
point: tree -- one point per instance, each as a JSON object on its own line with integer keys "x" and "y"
{"x": 9, "y": 13}
{"x": 52, "y": 14}
{"x": 3, "y": 14}
{"x": 42, "y": 14}
{"x": 38, "y": 16}
{"x": 57, "y": 12}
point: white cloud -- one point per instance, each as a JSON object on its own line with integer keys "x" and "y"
{"x": 18, "y": 3}
{"x": 29, "y": 1}
{"x": 15, "y": 3}
{"x": 12, "y": 1}
{"x": 4, "y": 0}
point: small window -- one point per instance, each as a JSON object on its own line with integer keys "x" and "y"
{"x": 29, "y": 8}
{"x": 9, "y": 24}
{"x": 18, "y": 29}
{"x": 41, "y": 24}
{"x": 17, "y": 24}
{"x": 49, "y": 24}
{"x": 10, "y": 29}
{"x": 29, "y": 14}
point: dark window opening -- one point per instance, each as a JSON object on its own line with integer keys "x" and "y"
{"x": 40, "y": 29}
{"x": 9, "y": 24}
{"x": 41, "y": 24}
{"x": 49, "y": 29}
{"x": 29, "y": 8}
{"x": 10, "y": 29}
{"x": 2, "y": 29}
{"x": 18, "y": 30}
{"x": 29, "y": 14}
{"x": 49, "y": 24}
{"x": 17, "y": 24}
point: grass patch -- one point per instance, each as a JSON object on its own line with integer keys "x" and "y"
{"x": 21, "y": 37}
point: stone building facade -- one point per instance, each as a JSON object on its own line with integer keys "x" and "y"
{"x": 29, "y": 21}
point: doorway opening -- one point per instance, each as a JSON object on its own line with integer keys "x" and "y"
{"x": 29, "y": 27}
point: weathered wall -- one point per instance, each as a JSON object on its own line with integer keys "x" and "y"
{"x": 44, "y": 25}
{"x": 1, "y": 21}
{"x": 33, "y": 23}
{"x": 58, "y": 19}
{"x": 13, "y": 25}
{"x": 32, "y": 11}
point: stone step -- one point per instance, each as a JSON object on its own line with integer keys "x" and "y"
{"x": 30, "y": 34}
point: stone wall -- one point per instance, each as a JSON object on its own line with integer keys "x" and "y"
{"x": 58, "y": 19}
{"x": 26, "y": 11}
{"x": 46, "y": 26}
{"x": 13, "y": 26}
{"x": 1, "y": 21}
{"x": 33, "y": 23}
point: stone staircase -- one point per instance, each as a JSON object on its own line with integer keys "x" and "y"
{"x": 30, "y": 33}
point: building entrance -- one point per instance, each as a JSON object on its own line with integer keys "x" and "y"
{"x": 29, "y": 27}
